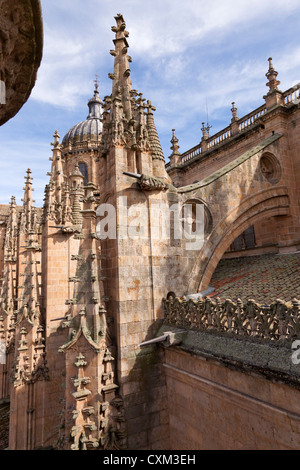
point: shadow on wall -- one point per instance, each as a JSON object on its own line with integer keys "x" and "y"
{"x": 4, "y": 426}
{"x": 146, "y": 403}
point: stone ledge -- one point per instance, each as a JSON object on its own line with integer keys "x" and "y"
{"x": 273, "y": 361}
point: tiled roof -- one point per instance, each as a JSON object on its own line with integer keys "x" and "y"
{"x": 263, "y": 278}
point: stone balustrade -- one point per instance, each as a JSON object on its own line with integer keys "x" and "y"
{"x": 220, "y": 137}
{"x": 251, "y": 118}
{"x": 243, "y": 124}
{"x": 225, "y": 134}
{"x": 292, "y": 94}
{"x": 279, "y": 321}
{"x": 194, "y": 152}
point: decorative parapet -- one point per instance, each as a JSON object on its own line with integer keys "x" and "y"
{"x": 226, "y": 134}
{"x": 292, "y": 95}
{"x": 279, "y": 321}
{"x": 251, "y": 118}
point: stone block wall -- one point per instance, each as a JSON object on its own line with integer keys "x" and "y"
{"x": 282, "y": 232}
{"x": 213, "y": 407}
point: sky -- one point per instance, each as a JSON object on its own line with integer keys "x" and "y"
{"x": 191, "y": 58}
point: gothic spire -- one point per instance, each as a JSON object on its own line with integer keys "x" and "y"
{"x": 57, "y": 169}
{"x": 121, "y": 76}
{"x": 157, "y": 152}
{"x": 28, "y": 201}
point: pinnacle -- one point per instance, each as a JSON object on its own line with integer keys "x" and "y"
{"x": 234, "y": 112}
{"x": 174, "y": 141}
{"x": 120, "y": 29}
{"x": 28, "y": 178}
{"x": 56, "y": 136}
{"x": 152, "y": 132}
{"x": 121, "y": 75}
{"x": 272, "y": 77}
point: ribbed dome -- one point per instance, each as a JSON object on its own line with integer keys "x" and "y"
{"x": 91, "y": 128}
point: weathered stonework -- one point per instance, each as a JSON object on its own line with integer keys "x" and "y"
{"x": 21, "y": 31}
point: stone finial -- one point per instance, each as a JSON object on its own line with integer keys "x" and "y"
{"x": 28, "y": 178}
{"x": 234, "y": 112}
{"x": 150, "y": 107}
{"x": 234, "y": 126}
{"x": 96, "y": 83}
{"x": 174, "y": 141}
{"x": 272, "y": 77}
{"x": 13, "y": 201}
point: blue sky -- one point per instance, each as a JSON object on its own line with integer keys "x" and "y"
{"x": 187, "y": 57}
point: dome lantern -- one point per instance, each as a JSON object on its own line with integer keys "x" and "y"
{"x": 91, "y": 128}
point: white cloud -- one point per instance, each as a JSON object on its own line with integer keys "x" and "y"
{"x": 163, "y": 34}
{"x": 14, "y": 164}
{"x": 184, "y": 55}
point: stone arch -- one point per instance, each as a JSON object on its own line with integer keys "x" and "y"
{"x": 267, "y": 203}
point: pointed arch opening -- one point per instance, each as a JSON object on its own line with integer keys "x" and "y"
{"x": 84, "y": 170}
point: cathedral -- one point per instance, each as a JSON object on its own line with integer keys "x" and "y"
{"x": 115, "y": 339}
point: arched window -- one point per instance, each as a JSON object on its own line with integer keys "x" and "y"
{"x": 244, "y": 241}
{"x": 84, "y": 170}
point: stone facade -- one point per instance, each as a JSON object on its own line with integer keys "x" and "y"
{"x": 76, "y": 303}
{"x": 213, "y": 407}
{"x": 21, "y": 31}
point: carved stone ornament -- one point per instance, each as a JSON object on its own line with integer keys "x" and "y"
{"x": 276, "y": 322}
{"x": 270, "y": 168}
{"x": 149, "y": 183}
